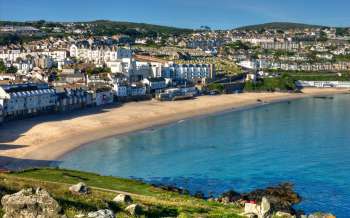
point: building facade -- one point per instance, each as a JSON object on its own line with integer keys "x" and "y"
{"x": 189, "y": 71}
{"x": 26, "y": 99}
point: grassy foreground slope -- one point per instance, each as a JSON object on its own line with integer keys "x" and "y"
{"x": 158, "y": 202}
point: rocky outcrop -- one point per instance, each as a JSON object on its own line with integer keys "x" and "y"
{"x": 101, "y": 214}
{"x": 123, "y": 199}
{"x": 30, "y": 203}
{"x": 281, "y": 198}
{"x": 260, "y": 210}
{"x": 80, "y": 188}
{"x": 134, "y": 209}
{"x": 277, "y": 201}
{"x": 321, "y": 215}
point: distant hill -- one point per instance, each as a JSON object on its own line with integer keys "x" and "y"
{"x": 140, "y": 27}
{"x": 107, "y": 27}
{"x": 279, "y": 25}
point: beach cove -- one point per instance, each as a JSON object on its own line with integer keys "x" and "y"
{"x": 39, "y": 140}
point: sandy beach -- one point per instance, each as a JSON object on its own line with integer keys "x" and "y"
{"x": 48, "y": 137}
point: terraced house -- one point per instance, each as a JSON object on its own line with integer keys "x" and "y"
{"x": 22, "y": 100}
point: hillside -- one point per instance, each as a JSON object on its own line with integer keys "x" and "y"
{"x": 157, "y": 202}
{"x": 141, "y": 27}
{"x": 279, "y": 25}
{"x": 106, "y": 27}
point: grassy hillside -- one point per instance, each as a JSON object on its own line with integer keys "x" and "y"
{"x": 158, "y": 203}
{"x": 279, "y": 25}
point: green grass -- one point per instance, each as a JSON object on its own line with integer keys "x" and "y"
{"x": 157, "y": 202}
{"x": 271, "y": 84}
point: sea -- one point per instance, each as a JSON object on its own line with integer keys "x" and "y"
{"x": 304, "y": 141}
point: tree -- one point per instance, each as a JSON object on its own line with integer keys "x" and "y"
{"x": 341, "y": 31}
{"x": 11, "y": 70}
{"x": 216, "y": 87}
{"x": 2, "y": 67}
{"x": 238, "y": 45}
{"x": 91, "y": 71}
{"x": 323, "y": 37}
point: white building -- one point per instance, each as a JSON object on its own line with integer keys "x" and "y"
{"x": 25, "y": 99}
{"x": 189, "y": 71}
{"x": 157, "y": 83}
{"x": 99, "y": 55}
{"x": 120, "y": 90}
{"x": 137, "y": 90}
{"x": 115, "y": 66}
{"x": 248, "y": 64}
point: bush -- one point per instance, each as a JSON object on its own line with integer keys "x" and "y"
{"x": 216, "y": 87}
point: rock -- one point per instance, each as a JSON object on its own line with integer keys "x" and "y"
{"x": 225, "y": 200}
{"x": 123, "y": 199}
{"x": 251, "y": 209}
{"x": 284, "y": 215}
{"x": 101, "y": 214}
{"x": 28, "y": 203}
{"x": 80, "y": 188}
{"x": 261, "y": 211}
{"x": 264, "y": 207}
{"x": 321, "y": 215}
{"x": 134, "y": 209}
{"x": 231, "y": 196}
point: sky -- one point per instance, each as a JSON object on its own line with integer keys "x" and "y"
{"x": 217, "y": 14}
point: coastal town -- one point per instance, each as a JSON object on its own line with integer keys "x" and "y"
{"x": 80, "y": 69}
{"x": 68, "y": 84}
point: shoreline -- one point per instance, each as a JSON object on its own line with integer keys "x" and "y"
{"x": 39, "y": 142}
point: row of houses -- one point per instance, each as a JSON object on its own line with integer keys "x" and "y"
{"x": 26, "y": 99}
{"x": 323, "y": 84}
{"x": 281, "y": 45}
{"x": 29, "y": 99}
{"x": 268, "y": 64}
{"x": 340, "y": 66}
{"x": 99, "y": 54}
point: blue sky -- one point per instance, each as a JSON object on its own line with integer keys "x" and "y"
{"x": 218, "y": 14}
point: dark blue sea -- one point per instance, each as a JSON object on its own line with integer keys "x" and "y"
{"x": 304, "y": 141}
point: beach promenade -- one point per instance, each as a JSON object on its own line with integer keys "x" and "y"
{"x": 47, "y": 138}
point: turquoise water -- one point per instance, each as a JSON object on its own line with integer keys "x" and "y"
{"x": 306, "y": 141}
